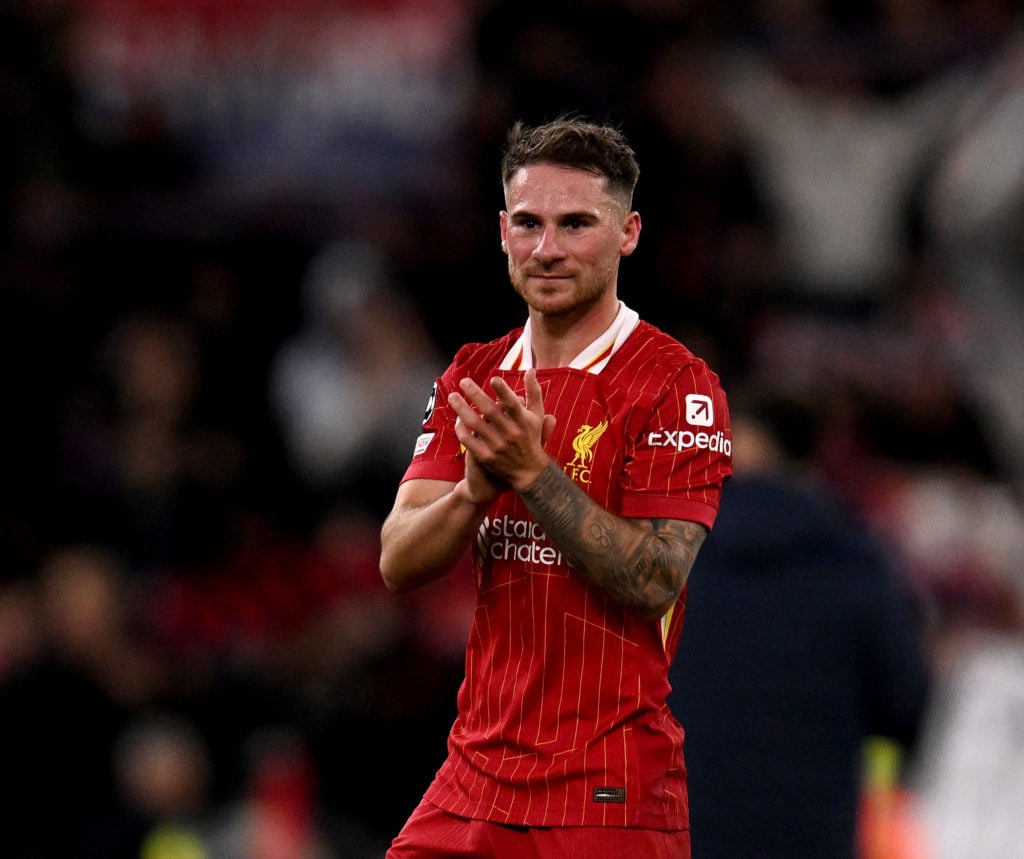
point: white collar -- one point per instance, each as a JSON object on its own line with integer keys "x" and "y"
{"x": 592, "y": 359}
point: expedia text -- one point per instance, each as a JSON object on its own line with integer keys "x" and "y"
{"x": 687, "y": 439}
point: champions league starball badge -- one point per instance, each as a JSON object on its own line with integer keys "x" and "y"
{"x": 430, "y": 404}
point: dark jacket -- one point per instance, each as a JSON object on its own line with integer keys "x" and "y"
{"x": 799, "y": 642}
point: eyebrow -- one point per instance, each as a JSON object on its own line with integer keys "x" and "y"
{"x": 526, "y": 214}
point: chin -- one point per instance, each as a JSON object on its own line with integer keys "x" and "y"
{"x": 553, "y": 305}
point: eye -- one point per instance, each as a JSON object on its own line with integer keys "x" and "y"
{"x": 578, "y": 221}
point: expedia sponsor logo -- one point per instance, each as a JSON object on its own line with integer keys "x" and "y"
{"x": 520, "y": 540}
{"x": 700, "y": 411}
{"x": 685, "y": 439}
{"x": 578, "y": 468}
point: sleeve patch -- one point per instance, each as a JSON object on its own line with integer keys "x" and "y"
{"x": 422, "y": 443}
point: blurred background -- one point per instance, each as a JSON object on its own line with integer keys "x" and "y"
{"x": 238, "y": 240}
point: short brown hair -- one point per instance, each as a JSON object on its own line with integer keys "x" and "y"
{"x": 573, "y": 142}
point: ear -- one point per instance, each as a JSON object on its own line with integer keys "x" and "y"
{"x": 630, "y": 234}
{"x": 503, "y": 227}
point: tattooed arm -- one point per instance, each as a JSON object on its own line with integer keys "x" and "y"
{"x": 641, "y": 563}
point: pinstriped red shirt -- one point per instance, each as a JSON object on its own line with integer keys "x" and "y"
{"x": 562, "y": 719}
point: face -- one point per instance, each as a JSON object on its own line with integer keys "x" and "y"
{"x": 564, "y": 234}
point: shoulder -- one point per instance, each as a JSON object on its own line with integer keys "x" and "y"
{"x": 657, "y": 345}
{"x": 651, "y": 355}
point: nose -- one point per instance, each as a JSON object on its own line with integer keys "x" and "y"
{"x": 549, "y": 246}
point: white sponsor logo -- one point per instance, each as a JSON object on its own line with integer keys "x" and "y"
{"x": 688, "y": 439}
{"x": 422, "y": 443}
{"x": 507, "y": 539}
{"x": 699, "y": 410}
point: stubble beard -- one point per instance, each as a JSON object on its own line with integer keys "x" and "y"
{"x": 584, "y": 294}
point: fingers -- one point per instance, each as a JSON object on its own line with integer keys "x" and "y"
{"x": 506, "y": 398}
{"x": 485, "y": 404}
{"x": 502, "y": 433}
{"x": 547, "y": 428}
{"x": 483, "y": 414}
{"x": 534, "y": 397}
{"x": 471, "y": 421}
{"x": 476, "y": 411}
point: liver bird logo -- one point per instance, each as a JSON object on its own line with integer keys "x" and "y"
{"x": 584, "y": 443}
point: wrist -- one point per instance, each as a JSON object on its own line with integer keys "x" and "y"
{"x": 472, "y": 494}
{"x": 530, "y": 479}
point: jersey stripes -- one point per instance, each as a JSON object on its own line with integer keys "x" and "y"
{"x": 562, "y": 718}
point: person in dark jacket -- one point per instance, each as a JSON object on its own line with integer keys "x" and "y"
{"x": 801, "y": 641}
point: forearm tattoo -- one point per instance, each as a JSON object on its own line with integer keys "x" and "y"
{"x": 641, "y": 563}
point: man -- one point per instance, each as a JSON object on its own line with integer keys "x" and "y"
{"x": 581, "y": 459}
{"x": 801, "y": 642}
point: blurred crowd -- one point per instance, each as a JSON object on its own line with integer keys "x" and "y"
{"x": 222, "y": 306}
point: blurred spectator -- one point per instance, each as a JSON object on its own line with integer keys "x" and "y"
{"x": 970, "y": 770}
{"x": 61, "y": 711}
{"x": 141, "y": 464}
{"x": 165, "y": 790}
{"x": 170, "y": 806}
{"x": 838, "y": 165}
{"x": 20, "y": 633}
{"x": 347, "y": 387}
{"x": 801, "y": 641}
{"x": 960, "y": 537}
{"x": 975, "y": 235}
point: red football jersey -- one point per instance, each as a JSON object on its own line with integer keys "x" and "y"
{"x": 562, "y": 719}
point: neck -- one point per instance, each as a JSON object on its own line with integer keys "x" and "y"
{"x": 557, "y": 340}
